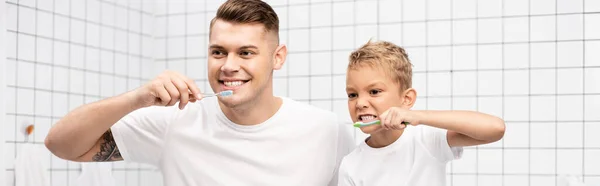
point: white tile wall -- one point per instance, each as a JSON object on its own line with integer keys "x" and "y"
{"x": 534, "y": 63}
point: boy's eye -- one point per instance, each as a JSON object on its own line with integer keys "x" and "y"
{"x": 352, "y": 95}
{"x": 374, "y": 92}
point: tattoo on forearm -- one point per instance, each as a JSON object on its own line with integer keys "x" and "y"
{"x": 108, "y": 149}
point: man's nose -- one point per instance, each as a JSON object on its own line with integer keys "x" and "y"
{"x": 231, "y": 64}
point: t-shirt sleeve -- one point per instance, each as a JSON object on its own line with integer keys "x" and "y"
{"x": 436, "y": 142}
{"x": 345, "y": 145}
{"x": 140, "y": 134}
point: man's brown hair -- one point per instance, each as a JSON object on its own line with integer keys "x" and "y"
{"x": 387, "y": 56}
{"x": 247, "y": 12}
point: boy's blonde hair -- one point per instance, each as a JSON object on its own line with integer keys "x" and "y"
{"x": 386, "y": 55}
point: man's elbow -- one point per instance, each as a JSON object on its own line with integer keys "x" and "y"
{"x": 57, "y": 148}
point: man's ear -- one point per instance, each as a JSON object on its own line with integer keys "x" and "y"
{"x": 279, "y": 56}
{"x": 410, "y": 97}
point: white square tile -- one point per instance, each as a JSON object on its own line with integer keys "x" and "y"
{"x": 299, "y": 16}
{"x": 280, "y": 87}
{"x": 77, "y": 57}
{"x": 591, "y": 162}
{"x": 439, "y": 104}
{"x": 92, "y": 11}
{"x": 516, "y": 29}
{"x": 543, "y": 28}
{"x": 321, "y": 87}
{"x": 490, "y": 8}
{"x": 92, "y": 35}
{"x": 300, "y": 90}
{"x": 322, "y": 104}
{"x": 44, "y": 50}
{"x": 148, "y": 46}
{"x": 489, "y": 82}
{"x": 24, "y": 102}
{"x": 541, "y": 55}
{"x": 464, "y": 58}
{"x": 133, "y": 84}
{"x": 439, "y": 9}
{"x": 339, "y": 87}
{"x": 134, "y": 44}
{"x": 107, "y": 62}
{"x": 543, "y": 161}
{"x": 11, "y": 72}
{"x": 569, "y": 161}
{"x": 343, "y": 13}
{"x": 490, "y": 180}
{"x": 592, "y": 77}
{"x": 466, "y": 180}
{"x": 489, "y": 161}
{"x": 463, "y": 83}
{"x": 62, "y": 7}
{"x": 160, "y": 49}
{"x": 298, "y": 64}
{"x": 414, "y": 34}
{"x": 196, "y": 46}
{"x": 419, "y": 83}
{"x": 388, "y": 11}
{"x": 389, "y": 32}
{"x": 92, "y": 83}
{"x": 44, "y": 24}
{"x": 74, "y": 102}
{"x": 464, "y": 103}
{"x": 543, "y": 108}
{"x": 27, "y": 20}
{"x": 516, "y": 82}
{"x": 175, "y": 47}
{"x": 281, "y": 11}
{"x": 45, "y": 5}
{"x": 92, "y": 59}
{"x": 11, "y": 16}
{"x": 592, "y": 105}
{"x": 107, "y": 14}
{"x": 11, "y": 43}
{"x": 439, "y": 33}
{"x": 25, "y": 74}
{"x": 516, "y": 180}
{"x": 340, "y": 61}
{"x": 464, "y": 31}
{"x": 364, "y": 33}
{"x": 160, "y": 27}
{"x": 106, "y": 85}
{"x": 78, "y": 9}
{"x": 61, "y": 76}
{"x": 418, "y": 58}
{"x": 516, "y": 161}
{"x": 11, "y": 100}
{"x": 592, "y": 6}
{"x": 61, "y": 28}
{"x": 26, "y": 47}
{"x": 542, "y": 7}
{"x": 515, "y": 8}
{"x": 414, "y": 10}
{"x": 298, "y": 40}
{"x": 543, "y": 81}
{"x": 320, "y": 39}
{"x": 592, "y": 139}
{"x": 176, "y": 6}
{"x": 43, "y": 77}
{"x": 516, "y": 56}
{"x": 516, "y": 108}
{"x": 516, "y": 135}
{"x": 464, "y": 9}
{"x": 569, "y": 6}
{"x": 148, "y": 23}
{"x": 134, "y": 22}
{"x": 570, "y": 54}
{"x": 439, "y": 84}
{"x": 490, "y": 105}
{"x": 177, "y": 66}
{"x": 107, "y": 38}
{"x": 121, "y": 64}
{"x": 570, "y": 135}
{"x": 467, "y": 163}
{"x": 76, "y": 83}
{"x": 120, "y": 41}
{"x": 569, "y": 27}
{"x": 366, "y": 12}
{"x": 543, "y": 134}
{"x": 592, "y": 28}
{"x": 120, "y": 85}
{"x": 176, "y": 25}
{"x": 592, "y": 58}
{"x": 438, "y": 58}
{"x": 570, "y": 108}
{"x": 570, "y": 81}
{"x": 489, "y": 30}
{"x": 134, "y": 67}
{"x": 489, "y": 57}
{"x": 195, "y": 23}
{"x": 320, "y": 63}
{"x": 61, "y": 53}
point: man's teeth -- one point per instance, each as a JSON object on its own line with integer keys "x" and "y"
{"x": 233, "y": 83}
{"x": 367, "y": 118}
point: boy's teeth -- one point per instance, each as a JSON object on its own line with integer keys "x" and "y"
{"x": 367, "y": 118}
{"x": 233, "y": 83}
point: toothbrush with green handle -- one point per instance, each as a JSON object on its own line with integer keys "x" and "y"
{"x": 375, "y": 122}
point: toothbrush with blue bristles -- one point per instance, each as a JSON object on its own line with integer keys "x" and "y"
{"x": 222, "y": 93}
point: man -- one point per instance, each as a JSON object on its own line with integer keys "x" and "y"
{"x": 248, "y": 138}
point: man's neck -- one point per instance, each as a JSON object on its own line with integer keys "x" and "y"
{"x": 384, "y": 138}
{"x": 254, "y": 112}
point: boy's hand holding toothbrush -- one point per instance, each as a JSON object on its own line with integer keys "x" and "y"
{"x": 396, "y": 118}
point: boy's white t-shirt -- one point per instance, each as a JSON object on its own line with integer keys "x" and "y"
{"x": 418, "y": 157}
{"x": 199, "y": 146}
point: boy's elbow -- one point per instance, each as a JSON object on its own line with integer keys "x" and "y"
{"x": 498, "y": 129}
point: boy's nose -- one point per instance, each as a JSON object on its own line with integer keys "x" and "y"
{"x": 362, "y": 104}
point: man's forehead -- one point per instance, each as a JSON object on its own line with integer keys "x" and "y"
{"x": 225, "y": 32}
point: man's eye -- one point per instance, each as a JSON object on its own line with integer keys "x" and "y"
{"x": 216, "y": 52}
{"x": 246, "y": 53}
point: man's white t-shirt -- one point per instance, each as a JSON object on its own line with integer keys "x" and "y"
{"x": 199, "y": 146}
{"x": 418, "y": 157}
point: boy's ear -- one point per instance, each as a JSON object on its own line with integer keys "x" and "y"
{"x": 410, "y": 97}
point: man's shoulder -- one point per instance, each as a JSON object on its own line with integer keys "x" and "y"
{"x": 303, "y": 108}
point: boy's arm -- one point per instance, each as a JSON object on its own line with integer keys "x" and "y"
{"x": 465, "y": 128}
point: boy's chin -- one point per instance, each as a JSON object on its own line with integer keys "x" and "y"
{"x": 371, "y": 129}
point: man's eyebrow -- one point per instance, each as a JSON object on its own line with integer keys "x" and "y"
{"x": 214, "y": 46}
{"x": 249, "y": 47}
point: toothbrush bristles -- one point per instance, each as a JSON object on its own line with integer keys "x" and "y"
{"x": 226, "y": 93}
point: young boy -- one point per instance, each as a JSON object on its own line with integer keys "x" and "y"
{"x": 409, "y": 147}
